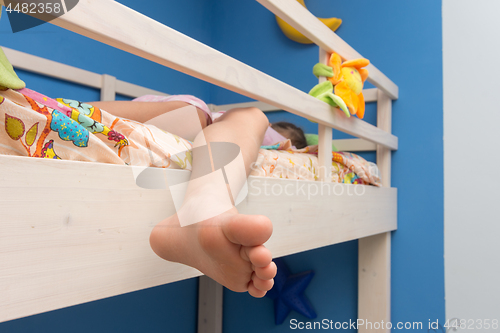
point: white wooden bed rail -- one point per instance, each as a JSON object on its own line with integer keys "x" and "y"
{"x": 369, "y": 94}
{"x": 34, "y": 64}
{"x": 110, "y": 87}
{"x": 63, "y": 241}
{"x": 58, "y": 280}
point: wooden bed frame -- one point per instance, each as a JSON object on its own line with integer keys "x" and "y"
{"x": 58, "y": 246}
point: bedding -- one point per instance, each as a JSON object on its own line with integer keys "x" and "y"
{"x": 282, "y": 161}
{"x": 38, "y": 126}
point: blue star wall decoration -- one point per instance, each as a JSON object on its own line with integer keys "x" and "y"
{"x": 288, "y": 293}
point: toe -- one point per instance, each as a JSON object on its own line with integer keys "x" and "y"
{"x": 261, "y": 284}
{"x": 248, "y": 230}
{"x": 253, "y": 291}
{"x": 259, "y": 256}
{"x": 267, "y": 272}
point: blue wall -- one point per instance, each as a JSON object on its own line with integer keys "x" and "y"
{"x": 52, "y": 42}
{"x": 401, "y": 38}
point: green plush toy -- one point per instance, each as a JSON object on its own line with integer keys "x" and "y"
{"x": 324, "y": 92}
{"x": 8, "y": 78}
{"x": 312, "y": 140}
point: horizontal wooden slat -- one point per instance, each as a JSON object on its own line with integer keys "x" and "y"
{"x": 369, "y": 94}
{"x": 133, "y": 90}
{"x": 305, "y": 22}
{"x": 38, "y": 65}
{"x": 42, "y": 66}
{"x": 307, "y": 219}
{"x": 73, "y": 232}
{"x": 31, "y": 63}
{"x": 133, "y": 32}
{"x": 51, "y": 68}
{"x": 354, "y": 145}
{"x": 260, "y": 105}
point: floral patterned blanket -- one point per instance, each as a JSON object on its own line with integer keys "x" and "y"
{"x": 282, "y": 161}
{"x": 37, "y": 126}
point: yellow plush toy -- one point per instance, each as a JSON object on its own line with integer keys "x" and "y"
{"x": 333, "y": 23}
{"x": 348, "y": 79}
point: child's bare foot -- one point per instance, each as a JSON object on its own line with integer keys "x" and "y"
{"x": 228, "y": 248}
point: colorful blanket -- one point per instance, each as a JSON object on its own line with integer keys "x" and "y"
{"x": 282, "y": 161}
{"x": 37, "y": 126}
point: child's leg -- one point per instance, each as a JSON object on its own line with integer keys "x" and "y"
{"x": 144, "y": 111}
{"x": 228, "y": 247}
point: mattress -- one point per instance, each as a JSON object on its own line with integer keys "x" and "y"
{"x": 38, "y": 126}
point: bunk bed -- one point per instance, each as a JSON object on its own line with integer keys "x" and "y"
{"x": 58, "y": 254}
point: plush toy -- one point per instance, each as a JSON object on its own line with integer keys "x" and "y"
{"x": 324, "y": 92}
{"x": 333, "y": 23}
{"x": 8, "y": 78}
{"x": 347, "y": 79}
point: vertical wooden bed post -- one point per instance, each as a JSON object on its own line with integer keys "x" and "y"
{"x": 108, "y": 88}
{"x": 374, "y": 265}
{"x": 210, "y": 294}
{"x": 324, "y": 137}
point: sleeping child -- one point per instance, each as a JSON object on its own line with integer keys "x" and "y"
{"x": 228, "y": 247}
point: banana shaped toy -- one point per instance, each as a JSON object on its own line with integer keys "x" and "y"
{"x": 333, "y": 23}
